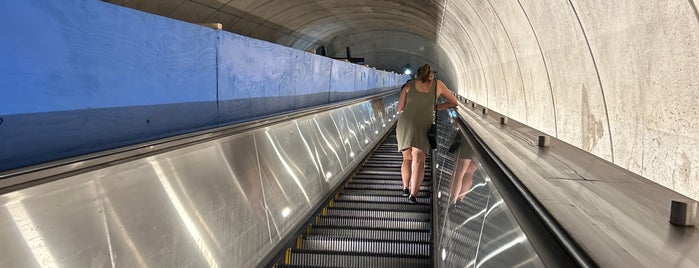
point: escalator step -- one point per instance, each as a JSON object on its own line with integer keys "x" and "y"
{"x": 380, "y": 171}
{"x": 365, "y": 186}
{"x": 349, "y": 245}
{"x": 363, "y": 180}
{"x": 388, "y": 192}
{"x": 378, "y": 214}
{"x": 369, "y": 205}
{"x": 383, "y": 164}
{"x": 339, "y": 259}
{"x": 396, "y": 157}
{"x": 373, "y": 223}
{"x": 371, "y": 233}
{"x": 392, "y": 174}
{"x": 381, "y": 199}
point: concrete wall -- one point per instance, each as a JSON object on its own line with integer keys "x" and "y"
{"x": 82, "y": 76}
{"x": 617, "y": 78}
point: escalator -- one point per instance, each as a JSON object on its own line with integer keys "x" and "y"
{"x": 369, "y": 223}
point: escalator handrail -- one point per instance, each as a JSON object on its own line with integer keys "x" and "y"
{"x": 577, "y": 254}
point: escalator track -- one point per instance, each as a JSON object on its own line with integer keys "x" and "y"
{"x": 369, "y": 223}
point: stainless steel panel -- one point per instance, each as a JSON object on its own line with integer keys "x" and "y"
{"x": 475, "y": 226}
{"x": 327, "y": 147}
{"x": 291, "y": 180}
{"x": 221, "y": 203}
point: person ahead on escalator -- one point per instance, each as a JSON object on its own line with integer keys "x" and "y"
{"x": 416, "y": 104}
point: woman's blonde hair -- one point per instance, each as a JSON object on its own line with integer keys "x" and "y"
{"x": 424, "y": 72}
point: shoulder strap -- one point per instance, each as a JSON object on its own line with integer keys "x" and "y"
{"x": 434, "y": 111}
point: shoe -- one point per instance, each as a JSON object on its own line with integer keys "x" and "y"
{"x": 406, "y": 192}
{"x": 412, "y": 199}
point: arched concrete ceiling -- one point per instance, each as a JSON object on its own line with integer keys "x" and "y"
{"x": 614, "y": 78}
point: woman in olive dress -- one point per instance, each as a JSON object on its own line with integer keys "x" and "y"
{"x": 416, "y": 104}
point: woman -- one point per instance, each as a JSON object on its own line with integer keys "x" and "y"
{"x": 416, "y": 103}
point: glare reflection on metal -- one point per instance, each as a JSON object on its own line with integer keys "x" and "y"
{"x": 108, "y": 208}
{"x": 497, "y": 204}
{"x": 328, "y": 175}
{"x": 285, "y": 212}
{"x": 308, "y": 147}
{"x": 517, "y": 240}
{"x": 439, "y": 195}
{"x": 325, "y": 140}
{"x": 182, "y": 212}
{"x": 475, "y": 216}
{"x": 444, "y": 254}
{"x": 384, "y": 125}
{"x": 351, "y": 154}
{"x": 31, "y": 235}
{"x": 377, "y": 132}
{"x": 287, "y": 167}
{"x": 366, "y": 141}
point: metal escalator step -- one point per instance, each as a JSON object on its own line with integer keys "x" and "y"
{"x": 389, "y": 192}
{"x": 383, "y": 164}
{"x": 299, "y": 266}
{"x": 386, "y": 171}
{"x": 371, "y": 233}
{"x": 381, "y": 199}
{"x": 369, "y": 205}
{"x": 368, "y": 180}
{"x": 378, "y": 214}
{"x": 397, "y": 157}
{"x": 339, "y": 244}
{"x": 341, "y": 259}
{"x": 357, "y": 222}
{"x": 365, "y": 186}
{"x": 380, "y": 171}
{"x": 393, "y": 174}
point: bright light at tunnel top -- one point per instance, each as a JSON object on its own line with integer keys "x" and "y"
{"x": 408, "y": 72}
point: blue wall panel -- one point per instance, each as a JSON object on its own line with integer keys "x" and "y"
{"x": 341, "y": 80}
{"x": 254, "y": 78}
{"x": 89, "y": 76}
{"x": 83, "y": 76}
{"x": 310, "y": 76}
{"x": 62, "y": 55}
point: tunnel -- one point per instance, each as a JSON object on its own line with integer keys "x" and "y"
{"x": 238, "y": 133}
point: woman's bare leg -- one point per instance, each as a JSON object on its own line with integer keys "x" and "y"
{"x": 405, "y": 167}
{"x": 418, "y": 170}
{"x": 468, "y": 179}
{"x": 457, "y": 181}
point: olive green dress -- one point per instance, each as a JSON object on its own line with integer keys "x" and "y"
{"x": 416, "y": 119}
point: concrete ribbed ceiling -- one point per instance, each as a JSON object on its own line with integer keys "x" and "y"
{"x": 389, "y": 34}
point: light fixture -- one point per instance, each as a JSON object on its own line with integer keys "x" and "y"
{"x": 408, "y": 70}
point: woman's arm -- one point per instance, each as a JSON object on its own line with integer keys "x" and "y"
{"x": 443, "y": 91}
{"x": 403, "y": 95}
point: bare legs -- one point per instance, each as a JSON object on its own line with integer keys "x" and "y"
{"x": 418, "y": 170}
{"x": 406, "y": 166}
{"x": 412, "y": 170}
{"x": 463, "y": 179}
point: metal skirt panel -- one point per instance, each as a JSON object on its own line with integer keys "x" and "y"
{"x": 220, "y": 203}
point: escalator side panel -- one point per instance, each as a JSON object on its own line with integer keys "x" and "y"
{"x": 194, "y": 205}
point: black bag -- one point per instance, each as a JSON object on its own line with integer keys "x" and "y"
{"x": 455, "y": 143}
{"x": 432, "y": 133}
{"x": 432, "y": 136}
